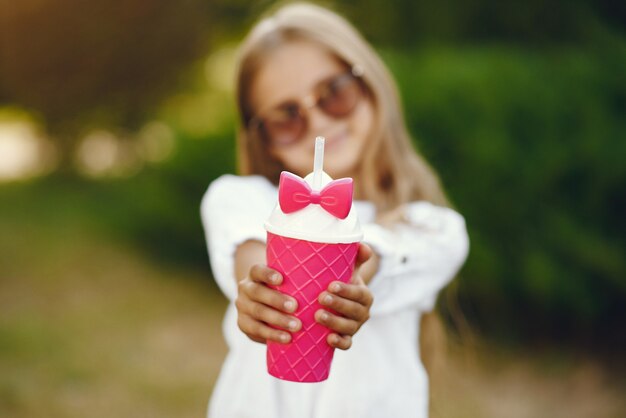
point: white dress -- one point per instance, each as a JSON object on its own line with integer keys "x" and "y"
{"x": 381, "y": 375}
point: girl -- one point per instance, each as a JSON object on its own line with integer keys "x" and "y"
{"x": 302, "y": 72}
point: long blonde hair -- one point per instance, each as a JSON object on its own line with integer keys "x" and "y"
{"x": 390, "y": 172}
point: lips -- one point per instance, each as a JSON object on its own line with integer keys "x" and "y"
{"x": 334, "y": 141}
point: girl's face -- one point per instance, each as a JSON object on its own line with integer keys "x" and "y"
{"x": 293, "y": 77}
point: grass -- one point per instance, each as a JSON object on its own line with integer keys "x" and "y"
{"x": 526, "y": 383}
{"x": 90, "y": 326}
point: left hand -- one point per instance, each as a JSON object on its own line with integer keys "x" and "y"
{"x": 352, "y": 301}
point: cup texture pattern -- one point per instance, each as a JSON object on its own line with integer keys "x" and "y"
{"x": 307, "y": 268}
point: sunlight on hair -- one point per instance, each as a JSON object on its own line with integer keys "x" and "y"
{"x": 24, "y": 152}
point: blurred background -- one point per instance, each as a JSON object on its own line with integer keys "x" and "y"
{"x": 116, "y": 115}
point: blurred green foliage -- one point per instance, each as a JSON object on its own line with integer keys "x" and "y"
{"x": 531, "y": 147}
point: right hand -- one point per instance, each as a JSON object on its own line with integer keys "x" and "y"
{"x": 260, "y": 308}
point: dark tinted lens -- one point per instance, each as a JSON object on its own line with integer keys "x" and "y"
{"x": 340, "y": 95}
{"x": 283, "y": 125}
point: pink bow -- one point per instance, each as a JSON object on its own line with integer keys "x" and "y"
{"x": 295, "y": 194}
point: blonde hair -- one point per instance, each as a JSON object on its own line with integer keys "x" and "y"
{"x": 390, "y": 172}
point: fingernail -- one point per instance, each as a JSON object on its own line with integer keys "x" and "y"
{"x": 275, "y": 278}
{"x": 335, "y": 287}
{"x": 323, "y": 316}
{"x": 289, "y": 305}
{"x": 292, "y": 325}
{"x": 334, "y": 339}
{"x": 328, "y": 299}
{"x": 284, "y": 338}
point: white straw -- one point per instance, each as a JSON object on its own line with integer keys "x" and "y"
{"x": 318, "y": 162}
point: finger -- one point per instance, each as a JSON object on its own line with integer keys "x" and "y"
{"x": 340, "y": 325}
{"x": 271, "y": 316}
{"x": 261, "y": 273}
{"x": 259, "y": 332}
{"x": 364, "y": 254}
{"x": 342, "y": 342}
{"x": 357, "y": 292}
{"x": 346, "y": 307}
{"x": 267, "y": 296}
{"x": 356, "y": 278}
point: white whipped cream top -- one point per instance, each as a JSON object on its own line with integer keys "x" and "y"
{"x": 313, "y": 223}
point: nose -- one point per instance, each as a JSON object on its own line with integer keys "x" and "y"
{"x": 318, "y": 121}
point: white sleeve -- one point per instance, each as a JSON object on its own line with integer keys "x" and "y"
{"x": 233, "y": 211}
{"x": 417, "y": 258}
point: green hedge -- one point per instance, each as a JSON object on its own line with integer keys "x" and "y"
{"x": 531, "y": 146}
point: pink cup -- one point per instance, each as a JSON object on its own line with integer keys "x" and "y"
{"x": 307, "y": 268}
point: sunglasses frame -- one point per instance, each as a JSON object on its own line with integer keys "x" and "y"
{"x": 312, "y": 100}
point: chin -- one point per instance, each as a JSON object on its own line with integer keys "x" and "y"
{"x": 339, "y": 170}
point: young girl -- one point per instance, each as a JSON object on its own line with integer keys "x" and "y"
{"x": 305, "y": 72}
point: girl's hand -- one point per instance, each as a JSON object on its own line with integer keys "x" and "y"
{"x": 351, "y": 300}
{"x": 259, "y": 306}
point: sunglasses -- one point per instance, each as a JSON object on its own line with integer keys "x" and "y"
{"x": 287, "y": 123}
